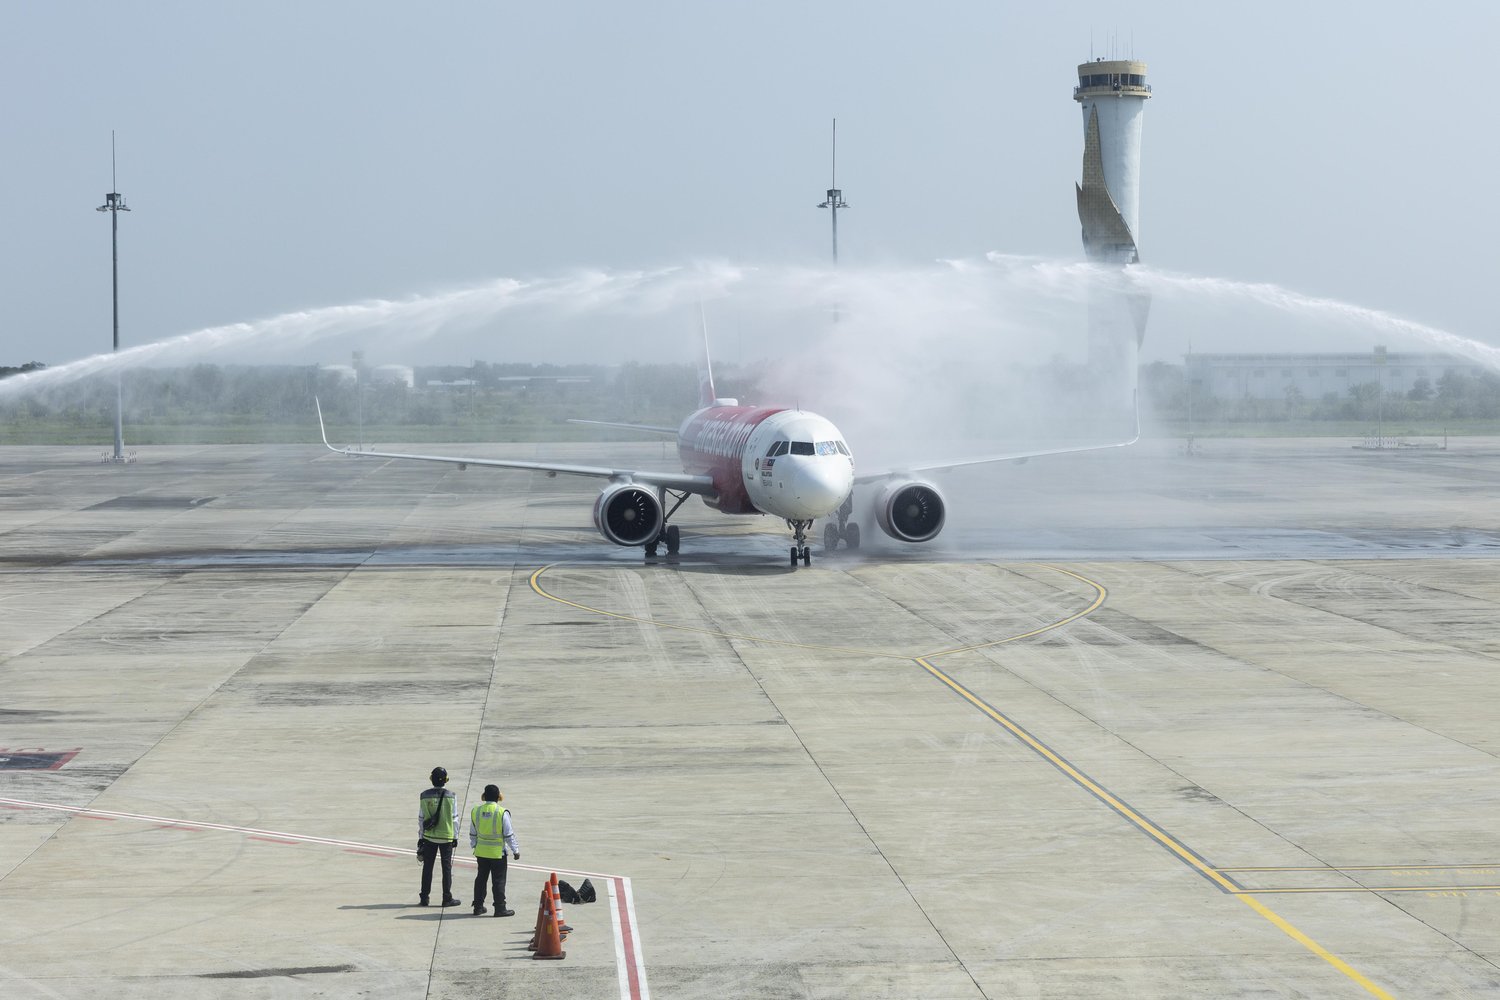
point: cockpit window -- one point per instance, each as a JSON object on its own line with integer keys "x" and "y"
{"x": 843, "y": 448}
{"x": 779, "y": 448}
{"x": 802, "y": 448}
{"x": 827, "y": 448}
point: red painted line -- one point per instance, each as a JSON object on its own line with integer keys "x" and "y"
{"x": 632, "y": 974}
{"x": 273, "y": 840}
{"x": 372, "y": 854}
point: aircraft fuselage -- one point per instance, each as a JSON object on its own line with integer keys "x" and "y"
{"x": 768, "y": 460}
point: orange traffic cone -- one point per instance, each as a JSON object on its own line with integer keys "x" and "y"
{"x": 541, "y": 918}
{"x": 550, "y": 945}
{"x": 562, "y": 925}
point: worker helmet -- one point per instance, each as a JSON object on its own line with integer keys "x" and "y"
{"x": 440, "y": 776}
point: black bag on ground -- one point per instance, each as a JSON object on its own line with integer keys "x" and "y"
{"x": 586, "y": 892}
{"x": 567, "y": 893}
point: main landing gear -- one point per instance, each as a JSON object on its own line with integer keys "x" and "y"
{"x": 844, "y": 530}
{"x": 800, "y": 549}
{"x": 670, "y": 535}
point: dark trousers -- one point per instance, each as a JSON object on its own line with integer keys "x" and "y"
{"x": 494, "y": 868}
{"x": 430, "y": 851}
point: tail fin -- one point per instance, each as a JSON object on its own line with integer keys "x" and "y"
{"x": 706, "y": 394}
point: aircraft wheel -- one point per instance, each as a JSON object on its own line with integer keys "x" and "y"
{"x": 830, "y": 536}
{"x": 794, "y": 557}
{"x": 806, "y": 556}
{"x": 650, "y": 550}
{"x": 851, "y": 535}
{"x": 674, "y": 539}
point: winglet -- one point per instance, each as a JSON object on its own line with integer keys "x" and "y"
{"x": 706, "y": 394}
{"x": 323, "y": 429}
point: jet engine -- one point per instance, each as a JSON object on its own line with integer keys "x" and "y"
{"x": 910, "y": 511}
{"x": 627, "y": 514}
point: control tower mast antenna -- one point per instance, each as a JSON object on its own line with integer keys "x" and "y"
{"x": 114, "y": 204}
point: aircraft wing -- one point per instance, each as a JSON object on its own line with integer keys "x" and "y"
{"x": 627, "y": 427}
{"x": 1018, "y": 456}
{"x": 681, "y": 481}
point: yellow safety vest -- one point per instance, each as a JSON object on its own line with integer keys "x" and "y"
{"x": 441, "y": 802}
{"x": 489, "y": 823}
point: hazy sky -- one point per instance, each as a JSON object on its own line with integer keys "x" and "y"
{"x": 286, "y": 156}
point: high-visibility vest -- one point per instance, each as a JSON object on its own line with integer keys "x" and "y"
{"x": 489, "y": 823}
{"x": 439, "y": 801}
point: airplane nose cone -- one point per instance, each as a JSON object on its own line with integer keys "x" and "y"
{"x": 820, "y": 485}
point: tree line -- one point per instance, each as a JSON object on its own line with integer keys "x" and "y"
{"x": 499, "y": 400}
{"x": 1455, "y": 396}
{"x": 517, "y": 401}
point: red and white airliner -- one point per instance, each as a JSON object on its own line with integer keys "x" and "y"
{"x": 786, "y": 463}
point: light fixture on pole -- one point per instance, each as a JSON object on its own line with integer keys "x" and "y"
{"x": 114, "y": 204}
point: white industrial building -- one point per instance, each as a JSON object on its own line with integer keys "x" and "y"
{"x": 1314, "y": 376}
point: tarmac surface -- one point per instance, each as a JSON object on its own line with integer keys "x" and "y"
{"x": 1139, "y": 724}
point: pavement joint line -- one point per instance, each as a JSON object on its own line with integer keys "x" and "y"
{"x": 628, "y": 936}
{"x": 1187, "y": 855}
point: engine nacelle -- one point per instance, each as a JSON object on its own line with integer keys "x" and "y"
{"x": 910, "y": 511}
{"x": 627, "y": 514}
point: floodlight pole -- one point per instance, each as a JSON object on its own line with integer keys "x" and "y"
{"x": 835, "y": 198}
{"x": 114, "y": 204}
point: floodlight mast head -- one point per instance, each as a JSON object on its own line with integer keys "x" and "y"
{"x": 113, "y": 202}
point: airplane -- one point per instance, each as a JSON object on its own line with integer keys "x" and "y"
{"x": 785, "y": 463}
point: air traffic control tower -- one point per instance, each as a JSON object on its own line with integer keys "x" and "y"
{"x": 1113, "y": 95}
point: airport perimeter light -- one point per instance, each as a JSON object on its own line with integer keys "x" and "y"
{"x": 114, "y": 204}
{"x": 835, "y": 197}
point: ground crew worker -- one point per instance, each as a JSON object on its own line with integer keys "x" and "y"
{"x": 489, "y": 834}
{"x": 439, "y": 832}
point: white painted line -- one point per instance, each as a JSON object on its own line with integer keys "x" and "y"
{"x": 614, "y": 918}
{"x": 622, "y": 916}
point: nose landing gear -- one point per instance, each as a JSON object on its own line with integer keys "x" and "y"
{"x": 800, "y": 549}
{"x": 845, "y": 530}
